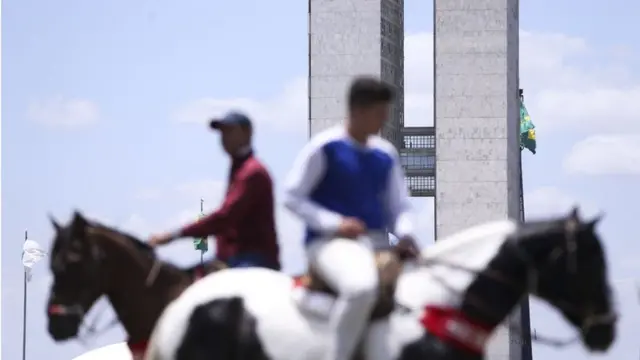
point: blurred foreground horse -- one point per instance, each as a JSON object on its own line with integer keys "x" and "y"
{"x": 447, "y": 307}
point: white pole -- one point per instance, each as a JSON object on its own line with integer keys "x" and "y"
{"x": 24, "y": 310}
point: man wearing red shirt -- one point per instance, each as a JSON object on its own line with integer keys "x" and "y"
{"x": 244, "y": 225}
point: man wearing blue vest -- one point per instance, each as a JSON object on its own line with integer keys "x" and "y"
{"x": 347, "y": 185}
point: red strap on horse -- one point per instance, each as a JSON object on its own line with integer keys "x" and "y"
{"x": 55, "y": 309}
{"x": 198, "y": 273}
{"x": 451, "y": 326}
{"x": 138, "y": 348}
{"x": 298, "y": 281}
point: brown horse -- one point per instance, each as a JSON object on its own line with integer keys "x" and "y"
{"x": 89, "y": 260}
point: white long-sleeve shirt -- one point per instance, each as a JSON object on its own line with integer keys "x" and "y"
{"x": 335, "y": 177}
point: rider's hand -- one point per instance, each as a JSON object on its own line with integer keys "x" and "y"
{"x": 407, "y": 248}
{"x": 160, "y": 239}
{"x": 351, "y": 228}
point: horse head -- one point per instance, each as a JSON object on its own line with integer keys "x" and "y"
{"x": 74, "y": 263}
{"x": 561, "y": 261}
{"x": 89, "y": 260}
{"x": 570, "y": 273}
{"x": 476, "y": 278}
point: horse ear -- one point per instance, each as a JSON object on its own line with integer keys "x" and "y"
{"x": 78, "y": 218}
{"x": 574, "y": 214}
{"x": 55, "y": 224}
{"x": 79, "y": 222}
{"x": 593, "y": 222}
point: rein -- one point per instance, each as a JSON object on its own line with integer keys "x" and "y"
{"x": 92, "y": 330}
{"x": 532, "y": 280}
{"x": 546, "y": 340}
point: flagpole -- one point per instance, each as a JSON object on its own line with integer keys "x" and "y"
{"x": 205, "y": 239}
{"x": 24, "y": 309}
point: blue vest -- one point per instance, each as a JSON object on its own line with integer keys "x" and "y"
{"x": 355, "y": 183}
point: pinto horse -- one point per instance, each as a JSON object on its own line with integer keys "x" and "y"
{"x": 447, "y": 307}
{"x": 89, "y": 260}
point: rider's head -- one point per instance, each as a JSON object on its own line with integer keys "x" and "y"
{"x": 235, "y": 130}
{"x": 369, "y": 105}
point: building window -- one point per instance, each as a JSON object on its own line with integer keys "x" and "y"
{"x": 412, "y": 161}
{"x": 420, "y": 141}
{"x": 420, "y": 184}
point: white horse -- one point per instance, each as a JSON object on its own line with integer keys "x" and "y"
{"x": 447, "y": 308}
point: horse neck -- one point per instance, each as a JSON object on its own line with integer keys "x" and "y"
{"x": 491, "y": 297}
{"x": 137, "y": 292}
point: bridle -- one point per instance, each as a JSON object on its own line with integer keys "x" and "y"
{"x": 77, "y": 310}
{"x": 570, "y": 247}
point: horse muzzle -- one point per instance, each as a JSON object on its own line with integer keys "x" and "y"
{"x": 63, "y": 324}
{"x": 599, "y": 336}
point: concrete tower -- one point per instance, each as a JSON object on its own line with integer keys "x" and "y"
{"x": 349, "y": 38}
{"x": 478, "y": 172}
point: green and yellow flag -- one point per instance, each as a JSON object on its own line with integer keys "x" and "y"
{"x": 201, "y": 244}
{"x": 527, "y": 130}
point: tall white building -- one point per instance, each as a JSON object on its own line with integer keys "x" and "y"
{"x": 349, "y": 38}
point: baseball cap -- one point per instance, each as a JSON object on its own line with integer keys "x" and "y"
{"x": 231, "y": 118}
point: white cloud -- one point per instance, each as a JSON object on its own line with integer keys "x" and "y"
{"x": 605, "y": 155}
{"x": 551, "y": 201}
{"x": 562, "y": 93}
{"x": 566, "y": 90}
{"x": 601, "y": 108}
{"x": 285, "y": 112}
{"x": 62, "y": 112}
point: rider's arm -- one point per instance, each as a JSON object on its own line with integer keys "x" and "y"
{"x": 399, "y": 207}
{"x": 308, "y": 169}
{"x": 242, "y": 193}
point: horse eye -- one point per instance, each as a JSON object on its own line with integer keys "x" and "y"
{"x": 73, "y": 257}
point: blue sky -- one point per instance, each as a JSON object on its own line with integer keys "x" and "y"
{"x": 104, "y": 103}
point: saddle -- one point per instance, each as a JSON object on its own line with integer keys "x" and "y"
{"x": 201, "y": 270}
{"x": 389, "y": 267}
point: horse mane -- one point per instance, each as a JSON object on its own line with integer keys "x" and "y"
{"x": 145, "y": 248}
{"x": 527, "y": 229}
{"x": 137, "y": 243}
